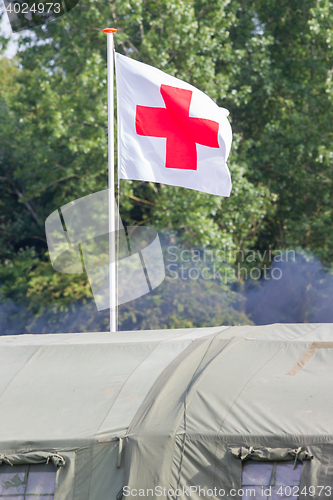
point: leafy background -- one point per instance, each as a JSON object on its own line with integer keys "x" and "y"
{"x": 270, "y": 64}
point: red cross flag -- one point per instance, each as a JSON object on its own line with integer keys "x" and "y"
{"x": 169, "y": 131}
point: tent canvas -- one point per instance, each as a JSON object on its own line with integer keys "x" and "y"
{"x": 168, "y": 409}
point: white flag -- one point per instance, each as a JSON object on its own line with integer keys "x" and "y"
{"x": 169, "y": 131}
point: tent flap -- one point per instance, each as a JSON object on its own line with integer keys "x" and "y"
{"x": 34, "y": 457}
{"x": 271, "y": 454}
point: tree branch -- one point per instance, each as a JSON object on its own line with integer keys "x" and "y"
{"x": 20, "y": 195}
{"x": 141, "y": 201}
{"x": 26, "y": 204}
{"x": 56, "y": 182}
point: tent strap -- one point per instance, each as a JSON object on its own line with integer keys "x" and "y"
{"x": 271, "y": 454}
{"x": 33, "y": 457}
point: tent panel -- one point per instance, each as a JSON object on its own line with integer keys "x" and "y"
{"x": 11, "y": 362}
{"x": 66, "y": 392}
{"x": 134, "y": 390}
{"x": 247, "y": 390}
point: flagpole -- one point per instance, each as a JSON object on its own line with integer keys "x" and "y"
{"x": 112, "y": 211}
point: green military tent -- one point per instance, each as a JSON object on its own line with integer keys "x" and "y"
{"x": 224, "y": 412}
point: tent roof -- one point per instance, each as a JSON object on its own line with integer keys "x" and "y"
{"x": 277, "y": 331}
{"x": 71, "y": 389}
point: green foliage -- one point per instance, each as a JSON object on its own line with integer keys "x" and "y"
{"x": 184, "y": 304}
{"x": 286, "y": 123}
{"x": 269, "y": 63}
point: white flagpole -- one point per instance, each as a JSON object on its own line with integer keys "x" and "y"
{"x": 112, "y": 211}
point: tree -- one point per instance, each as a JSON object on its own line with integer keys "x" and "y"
{"x": 269, "y": 65}
{"x": 286, "y": 122}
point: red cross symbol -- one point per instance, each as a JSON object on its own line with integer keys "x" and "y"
{"x": 181, "y": 131}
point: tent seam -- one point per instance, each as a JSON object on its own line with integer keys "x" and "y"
{"x": 185, "y": 406}
{"x": 240, "y": 392}
{"x": 22, "y": 367}
{"x": 123, "y": 385}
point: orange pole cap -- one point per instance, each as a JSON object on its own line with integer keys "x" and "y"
{"x": 109, "y": 30}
